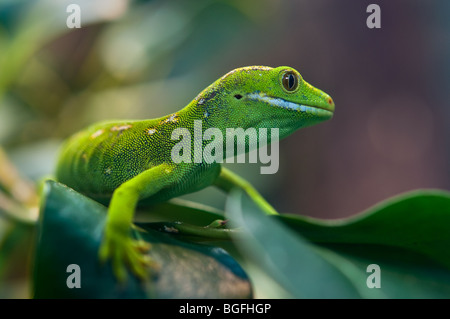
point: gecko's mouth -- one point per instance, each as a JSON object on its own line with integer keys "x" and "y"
{"x": 281, "y": 103}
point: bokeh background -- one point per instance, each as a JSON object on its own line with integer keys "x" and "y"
{"x": 145, "y": 59}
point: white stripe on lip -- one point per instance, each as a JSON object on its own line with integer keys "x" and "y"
{"x": 278, "y": 102}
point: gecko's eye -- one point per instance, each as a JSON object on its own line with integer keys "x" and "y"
{"x": 290, "y": 81}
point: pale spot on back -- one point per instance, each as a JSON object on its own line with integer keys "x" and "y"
{"x": 171, "y": 119}
{"x": 97, "y": 133}
{"x": 120, "y": 127}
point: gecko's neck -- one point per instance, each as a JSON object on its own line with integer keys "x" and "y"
{"x": 197, "y": 112}
{"x": 200, "y": 118}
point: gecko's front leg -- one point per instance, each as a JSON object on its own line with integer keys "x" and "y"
{"x": 117, "y": 244}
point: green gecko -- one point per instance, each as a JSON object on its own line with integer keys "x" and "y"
{"x": 128, "y": 163}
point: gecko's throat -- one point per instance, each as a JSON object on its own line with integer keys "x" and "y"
{"x": 281, "y": 103}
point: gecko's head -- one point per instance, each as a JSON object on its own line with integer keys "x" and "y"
{"x": 260, "y": 96}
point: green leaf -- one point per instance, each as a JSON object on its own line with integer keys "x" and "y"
{"x": 293, "y": 262}
{"x": 405, "y": 236}
{"x": 178, "y": 210}
{"x": 70, "y": 230}
{"x": 417, "y": 221}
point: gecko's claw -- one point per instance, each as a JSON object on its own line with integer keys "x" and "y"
{"x": 141, "y": 246}
{"x": 125, "y": 252}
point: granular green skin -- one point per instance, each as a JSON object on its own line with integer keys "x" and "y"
{"x": 98, "y": 160}
{"x": 130, "y": 163}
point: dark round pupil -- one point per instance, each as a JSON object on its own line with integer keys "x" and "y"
{"x": 290, "y": 81}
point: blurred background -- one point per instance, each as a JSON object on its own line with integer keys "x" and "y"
{"x": 145, "y": 59}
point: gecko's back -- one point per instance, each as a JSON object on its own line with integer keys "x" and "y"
{"x": 99, "y": 159}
